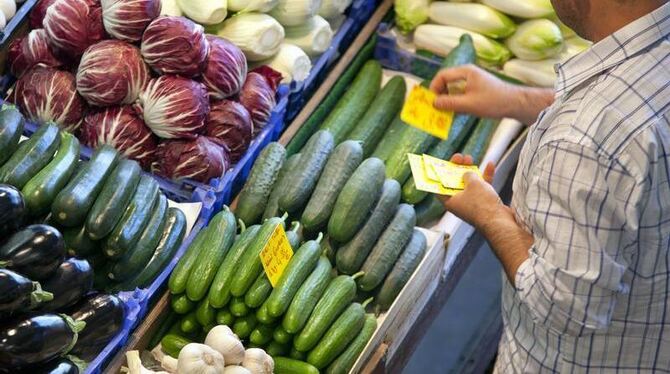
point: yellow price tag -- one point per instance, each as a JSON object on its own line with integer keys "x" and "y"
{"x": 419, "y": 112}
{"x": 276, "y": 255}
{"x": 449, "y": 174}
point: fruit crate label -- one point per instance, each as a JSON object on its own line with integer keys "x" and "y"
{"x": 419, "y": 112}
{"x": 276, "y": 255}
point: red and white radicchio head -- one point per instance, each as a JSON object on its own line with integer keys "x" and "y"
{"x": 175, "y": 45}
{"x": 38, "y": 12}
{"x": 199, "y": 159}
{"x": 229, "y": 123}
{"x": 225, "y": 69}
{"x": 30, "y": 50}
{"x": 175, "y": 107}
{"x": 259, "y": 98}
{"x": 45, "y": 94}
{"x": 127, "y": 19}
{"x": 112, "y": 72}
{"x": 73, "y": 25}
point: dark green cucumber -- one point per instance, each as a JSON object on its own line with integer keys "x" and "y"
{"x": 219, "y": 292}
{"x": 294, "y": 235}
{"x": 429, "y": 210}
{"x": 388, "y": 248}
{"x": 263, "y": 315}
{"x": 261, "y": 335}
{"x": 337, "y": 297}
{"x": 307, "y": 297}
{"x": 353, "y": 104}
{"x": 478, "y": 142}
{"x": 113, "y": 199}
{"x": 11, "y": 129}
{"x": 356, "y": 200}
{"x": 179, "y": 276}
{"x": 244, "y": 326}
{"x": 78, "y": 243}
{"x": 414, "y": 141}
{"x": 220, "y": 236}
{"x": 303, "y": 179}
{"x": 256, "y": 191}
{"x": 298, "y": 269}
{"x": 272, "y": 207}
{"x": 31, "y": 156}
{"x": 172, "y": 344}
{"x": 276, "y": 349}
{"x": 282, "y": 336}
{"x": 297, "y": 355}
{"x": 238, "y": 307}
{"x": 225, "y": 317}
{"x": 329, "y": 249}
{"x": 463, "y": 54}
{"x": 346, "y": 360}
{"x": 386, "y": 106}
{"x": 41, "y": 190}
{"x": 73, "y": 202}
{"x": 258, "y": 292}
{"x": 342, "y": 163}
{"x": 189, "y": 323}
{"x": 285, "y": 365}
{"x": 402, "y": 270}
{"x": 391, "y": 139}
{"x": 350, "y": 256}
{"x": 204, "y": 313}
{"x": 182, "y": 304}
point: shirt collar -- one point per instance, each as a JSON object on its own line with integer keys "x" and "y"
{"x": 613, "y": 50}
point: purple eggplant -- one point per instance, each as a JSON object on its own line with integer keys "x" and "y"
{"x": 12, "y": 210}
{"x": 61, "y": 365}
{"x": 35, "y": 252}
{"x": 72, "y": 280}
{"x": 19, "y": 294}
{"x": 106, "y": 313}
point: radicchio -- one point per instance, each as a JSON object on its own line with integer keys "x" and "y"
{"x": 175, "y": 45}
{"x": 225, "y": 69}
{"x": 73, "y": 25}
{"x": 258, "y": 98}
{"x": 45, "y": 94}
{"x": 175, "y": 107}
{"x": 38, "y": 12}
{"x": 111, "y": 72}
{"x": 30, "y": 50}
{"x": 127, "y": 19}
{"x": 199, "y": 159}
{"x": 229, "y": 123}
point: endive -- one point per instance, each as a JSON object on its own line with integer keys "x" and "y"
{"x": 251, "y": 5}
{"x": 313, "y": 37}
{"x": 474, "y": 17}
{"x": 440, "y": 40}
{"x": 536, "y": 39}
{"x": 258, "y": 35}
{"x": 333, "y": 8}
{"x": 206, "y": 12}
{"x": 536, "y": 73}
{"x": 291, "y": 62}
{"x": 411, "y": 13}
{"x": 522, "y": 8}
{"x": 295, "y": 12}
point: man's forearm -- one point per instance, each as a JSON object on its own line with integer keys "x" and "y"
{"x": 528, "y": 103}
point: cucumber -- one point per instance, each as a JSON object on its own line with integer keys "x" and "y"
{"x": 478, "y": 142}
{"x": 307, "y": 297}
{"x": 285, "y": 365}
{"x": 329, "y": 249}
{"x": 342, "y": 163}
{"x": 30, "y": 157}
{"x": 189, "y": 323}
{"x": 225, "y": 317}
{"x": 353, "y": 104}
{"x": 294, "y": 235}
{"x": 258, "y": 292}
{"x": 205, "y": 314}
{"x": 350, "y": 256}
{"x": 388, "y": 248}
{"x": 386, "y": 106}
{"x": 302, "y": 180}
{"x": 356, "y": 200}
{"x": 298, "y": 269}
{"x": 113, "y": 199}
{"x": 172, "y": 344}
{"x": 263, "y": 315}
{"x": 256, "y": 191}
{"x": 249, "y": 265}
{"x": 346, "y": 360}
{"x": 339, "y": 294}
{"x": 78, "y": 243}
{"x": 182, "y": 304}
{"x": 238, "y": 308}
{"x": 11, "y": 128}
{"x": 429, "y": 210}
{"x": 393, "y": 136}
{"x": 463, "y": 54}
{"x": 276, "y": 349}
{"x": 41, "y": 190}
{"x": 282, "y": 336}
{"x": 73, "y": 202}
{"x": 272, "y": 207}
{"x": 297, "y": 355}
{"x": 261, "y": 335}
{"x": 219, "y": 292}
{"x": 179, "y": 276}
{"x": 244, "y": 326}
{"x": 338, "y": 336}
{"x": 412, "y": 140}
{"x": 402, "y": 270}
{"x": 138, "y": 257}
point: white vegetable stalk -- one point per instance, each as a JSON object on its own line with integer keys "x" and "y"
{"x": 313, "y": 37}
{"x": 135, "y": 364}
{"x": 258, "y": 35}
{"x": 536, "y": 73}
{"x": 197, "y": 358}
{"x": 537, "y": 39}
{"x": 522, "y": 8}
{"x": 295, "y": 12}
{"x": 292, "y": 62}
{"x": 206, "y": 12}
{"x": 474, "y": 17}
{"x": 170, "y": 8}
{"x": 8, "y": 8}
{"x": 262, "y": 6}
{"x": 441, "y": 40}
{"x": 333, "y": 8}
{"x": 573, "y": 47}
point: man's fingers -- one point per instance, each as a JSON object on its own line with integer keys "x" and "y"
{"x": 489, "y": 172}
{"x": 467, "y": 160}
{"x": 470, "y": 177}
{"x": 453, "y": 103}
{"x": 441, "y": 81}
{"x": 457, "y": 158}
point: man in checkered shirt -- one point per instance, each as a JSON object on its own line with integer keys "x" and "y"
{"x": 585, "y": 245}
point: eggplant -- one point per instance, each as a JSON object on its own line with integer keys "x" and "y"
{"x": 13, "y": 210}
{"x": 72, "y": 280}
{"x": 106, "y": 313}
{"x": 19, "y": 294}
{"x": 35, "y": 252}
{"x": 35, "y": 340}
{"x": 62, "y": 365}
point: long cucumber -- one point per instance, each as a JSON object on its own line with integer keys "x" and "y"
{"x": 307, "y": 297}
{"x": 345, "y": 361}
{"x": 479, "y": 140}
{"x": 272, "y": 207}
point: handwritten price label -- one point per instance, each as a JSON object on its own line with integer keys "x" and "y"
{"x": 419, "y": 112}
{"x": 276, "y": 255}
{"x": 438, "y": 176}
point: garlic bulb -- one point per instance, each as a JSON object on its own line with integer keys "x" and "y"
{"x": 222, "y": 339}
{"x": 258, "y": 362}
{"x": 197, "y": 358}
{"x": 169, "y": 363}
{"x": 234, "y": 369}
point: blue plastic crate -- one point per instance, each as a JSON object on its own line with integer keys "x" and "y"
{"x": 392, "y": 56}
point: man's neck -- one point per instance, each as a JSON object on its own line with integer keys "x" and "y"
{"x": 610, "y": 16}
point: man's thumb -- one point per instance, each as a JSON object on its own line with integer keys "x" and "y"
{"x": 452, "y": 103}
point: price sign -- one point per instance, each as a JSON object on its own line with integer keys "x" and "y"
{"x": 438, "y": 176}
{"x": 419, "y": 112}
{"x": 276, "y": 255}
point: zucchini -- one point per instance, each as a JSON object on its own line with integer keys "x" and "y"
{"x": 298, "y": 269}
{"x": 353, "y": 104}
{"x": 256, "y": 191}
{"x": 345, "y": 361}
{"x": 276, "y": 349}
{"x": 31, "y": 156}
{"x": 225, "y": 317}
{"x": 307, "y": 297}
{"x": 392, "y": 137}
{"x": 297, "y": 355}
{"x": 41, "y": 190}
{"x": 205, "y": 314}
{"x": 263, "y": 315}
{"x": 73, "y": 202}
{"x": 272, "y": 207}
{"x": 386, "y": 106}
{"x": 302, "y": 180}
{"x": 189, "y": 323}
{"x": 402, "y": 270}
{"x": 261, "y": 335}
{"x": 113, "y": 199}
{"x": 11, "y": 129}
{"x": 219, "y": 292}
{"x": 258, "y": 292}
{"x": 172, "y": 344}
{"x": 478, "y": 142}
{"x": 179, "y": 276}
{"x": 350, "y": 256}
{"x": 429, "y": 210}
{"x": 356, "y": 200}
{"x": 339, "y": 294}
{"x": 282, "y": 336}
{"x": 387, "y": 249}
{"x": 342, "y": 163}
{"x": 238, "y": 308}
{"x": 285, "y": 365}
{"x": 78, "y": 243}
{"x": 182, "y": 304}
{"x": 244, "y": 326}
{"x": 294, "y": 235}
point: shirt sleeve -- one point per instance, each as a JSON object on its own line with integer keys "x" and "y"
{"x": 580, "y": 206}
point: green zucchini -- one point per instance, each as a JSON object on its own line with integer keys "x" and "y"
{"x": 297, "y": 355}
{"x": 204, "y": 313}
{"x": 272, "y": 207}
{"x": 285, "y": 365}
{"x": 172, "y": 344}
{"x": 11, "y": 129}
{"x": 179, "y": 276}
{"x": 391, "y": 139}
{"x": 346, "y": 360}
{"x": 429, "y": 210}
{"x": 263, "y": 315}
{"x": 238, "y": 307}
{"x": 31, "y": 156}
{"x": 342, "y": 163}
{"x": 350, "y": 256}
{"x": 276, "y": 349}
{"x": 256, "y": 191}
{"x": 182, "y": 304}
{"x": 244, "y": 326}
{"x": 282, "y": 336}
{"x": 189, "y": 323}
{"x": 258, "y": 292}
{"x": 356, "y": 200}
{"x": 478, "y": 142}
{"x": 294, "y": 235}
{"x": 78, "y": 243}
{"x": 388, "y": 248}
{"x": 41, "y": 190}
{"x": 225, "y": 317}
{"x": 261, "y": 335}
{"x": 307, "y": 297}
